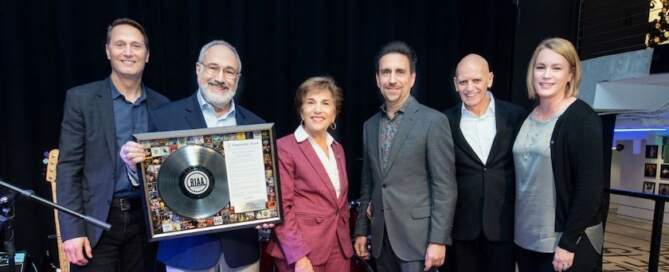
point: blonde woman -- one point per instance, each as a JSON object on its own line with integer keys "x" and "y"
{"x": 558, "y": 157}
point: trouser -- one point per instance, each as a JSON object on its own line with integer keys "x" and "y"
{"x": 586, "y": 259}
{"x": 125, "y": 246}
{"x": 336, "y": 262}
{"x": 389, "y": 262}
{"x": 222, "y": 266}
{"x": 482, "y": 255}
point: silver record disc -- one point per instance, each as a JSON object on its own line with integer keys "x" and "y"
{"x": 192, "y": 182}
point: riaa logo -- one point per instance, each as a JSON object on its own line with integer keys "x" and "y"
{"x": 196, "y": 182}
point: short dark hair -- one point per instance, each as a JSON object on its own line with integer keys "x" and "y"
{"x": 130, "y": 22}
{"x": 319, "y": 83}
{"x": 397, "y": 47}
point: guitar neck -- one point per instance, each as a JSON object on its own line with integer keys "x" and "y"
{"x": 51, "y": 179}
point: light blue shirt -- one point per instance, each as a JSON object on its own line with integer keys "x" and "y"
{"x": 209, "y": 113}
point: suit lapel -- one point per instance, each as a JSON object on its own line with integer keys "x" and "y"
{"x": 240, "y": 117}
{"x": 151, "y": 101}
{"x": 373, "y": 141}
{"x": 343, "y": 177}
{"x": 501, "y": 127}
{"x": 460, "y": 138}
{"x": 406, "y": 125}
{"x": 194, "y": 116}
{"x": 106, "y": 110}
{"x": 316, "y": 165}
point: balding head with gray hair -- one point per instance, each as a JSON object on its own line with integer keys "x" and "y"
{"x": 213, "y": 43}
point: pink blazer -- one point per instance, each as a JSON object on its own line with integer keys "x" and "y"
{"x": 315, "y": 220}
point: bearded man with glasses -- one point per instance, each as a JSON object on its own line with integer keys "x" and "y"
{"x": 218, "y": 71}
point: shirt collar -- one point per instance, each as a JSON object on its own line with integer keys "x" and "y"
{"x": 301, "y": 135}
{"x": 402, "y": 109}
{"x": 206, "y": 106}
{"x": 117, "y": 95}
{"x": 489, "y": 110}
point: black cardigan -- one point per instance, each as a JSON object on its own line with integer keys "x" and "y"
{"x": 577, "y": 157}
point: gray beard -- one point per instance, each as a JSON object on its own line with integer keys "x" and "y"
{"x": 218, "y": 100}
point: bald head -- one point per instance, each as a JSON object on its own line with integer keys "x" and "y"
{"x": 473, "y": 61}
{"x": 472, "y": 81}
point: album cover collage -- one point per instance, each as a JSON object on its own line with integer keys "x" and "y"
{"x": 163, "y": 220}
{"x": 655, "y": 171}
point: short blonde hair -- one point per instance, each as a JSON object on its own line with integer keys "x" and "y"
{"x": 564, "y": 48}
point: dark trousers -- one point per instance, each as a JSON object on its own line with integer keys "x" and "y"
{"x": 586, "y": 259}
{"x": 482, "y": 255}
{"x": 124, "y": 247}
{"x": 389, "y": 262}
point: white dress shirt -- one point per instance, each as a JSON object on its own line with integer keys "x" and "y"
{"x": 479, "y": 131}
{"x": 328, "y": 161}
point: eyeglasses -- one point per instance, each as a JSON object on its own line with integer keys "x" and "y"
{"x": 215, "y": 70}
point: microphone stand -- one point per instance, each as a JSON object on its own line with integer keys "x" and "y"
{"x": 31, "y": 195}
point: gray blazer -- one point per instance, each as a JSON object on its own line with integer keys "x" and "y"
{"x": 414, "y": 199}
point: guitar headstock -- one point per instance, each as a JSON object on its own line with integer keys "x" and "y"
{"x": 52, "y": 162}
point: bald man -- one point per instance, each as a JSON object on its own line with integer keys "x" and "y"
{"x": 484, "y": 129}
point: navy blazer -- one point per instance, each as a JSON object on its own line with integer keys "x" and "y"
{"x": 240, "y": 247}
{"x": 88, "y": 155}
{"x": 486, "y": 190}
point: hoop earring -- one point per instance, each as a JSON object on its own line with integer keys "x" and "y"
{"x": 333, "y": 126}
{"x": 302, "y": 122}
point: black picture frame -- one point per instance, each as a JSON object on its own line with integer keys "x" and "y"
{"x": 648, "y": 187}
{"x": 650, "y": 170}
{"x": 663, "y": 189}
{"x": 652, "y": 151}
{"x": 664, "y": 171}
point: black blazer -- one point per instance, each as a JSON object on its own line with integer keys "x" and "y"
{"x": 486, "y": 192}
{"x": 240, "y": 247}
{"x": 88, "y": 154}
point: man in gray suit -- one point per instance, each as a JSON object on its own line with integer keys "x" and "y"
{"x": 408, "y": 173}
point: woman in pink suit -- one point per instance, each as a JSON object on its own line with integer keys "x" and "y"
{"x": 314, "y": 186}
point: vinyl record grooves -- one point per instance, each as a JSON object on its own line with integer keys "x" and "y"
{"x": 192, "y": 182}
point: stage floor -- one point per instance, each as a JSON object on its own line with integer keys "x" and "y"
{"x": 627, "y": 244}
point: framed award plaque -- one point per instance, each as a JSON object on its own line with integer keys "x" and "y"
{"x": 209, "y": 180}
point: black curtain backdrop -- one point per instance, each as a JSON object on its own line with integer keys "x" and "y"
{"x": 47, "y": 47}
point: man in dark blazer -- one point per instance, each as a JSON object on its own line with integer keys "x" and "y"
{"x": 218, "y": 70}
{"x": 484, "y": 129}
{"x": 98, "y": 118}
{"x": 408, "y": 173}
